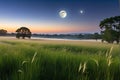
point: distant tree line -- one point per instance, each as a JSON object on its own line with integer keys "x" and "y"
{"x": 70, "y": 36}
{"x": 23, "y": 32}
{"x": 110, "y": 29}
{"x": 3, "y": 32}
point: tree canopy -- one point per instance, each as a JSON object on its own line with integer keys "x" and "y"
{"x": 110, "y": 29}
{"x": 23, "y": 32}
{"x": 3, "y": 32}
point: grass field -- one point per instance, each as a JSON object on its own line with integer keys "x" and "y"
{"x": 58, "y": 60}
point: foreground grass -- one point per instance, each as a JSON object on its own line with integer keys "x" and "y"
{"x": 50, "y": 60}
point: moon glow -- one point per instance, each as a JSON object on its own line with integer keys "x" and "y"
{"x": 81, "y": 11}
{"x": 63, "y": 14}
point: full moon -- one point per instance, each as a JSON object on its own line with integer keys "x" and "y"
{"x": 63, "y": 14}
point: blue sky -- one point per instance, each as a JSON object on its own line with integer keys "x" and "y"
{"x": 42, "y": 16}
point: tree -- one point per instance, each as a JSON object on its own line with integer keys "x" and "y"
{"x": 96, "y": 36}
{"x": 111, "y": 29}
{"x": 3, "y": 32}
{"x": 23, "y": 32}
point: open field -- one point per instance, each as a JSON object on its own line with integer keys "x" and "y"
{"x": 58, "y": 60}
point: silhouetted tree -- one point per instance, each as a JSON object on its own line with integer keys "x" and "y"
{"x": 111, "y": 29}
{"x": 3, "y": 32}
{"x": 23, "y": 32}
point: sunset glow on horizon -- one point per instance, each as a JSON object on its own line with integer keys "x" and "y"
{"x": 49, "y": 28}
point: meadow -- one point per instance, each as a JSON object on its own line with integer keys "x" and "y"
{"x": 58, "y": 60}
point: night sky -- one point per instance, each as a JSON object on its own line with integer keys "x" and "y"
{"x": 42, "y": 16}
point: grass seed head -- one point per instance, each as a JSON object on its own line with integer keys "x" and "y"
{"x": 111, "y": 50}
{"x": 33, "y": 57}
{"x": 80, "y": 67}
{"x": 20, "y": 71}
{"x": 96, "y": 62}
{"x": 24, "y": 62}
{"x": 109, "y": 62}
{"x": 84, "y": 67}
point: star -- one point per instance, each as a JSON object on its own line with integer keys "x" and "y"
{"x": 81, "y": 11}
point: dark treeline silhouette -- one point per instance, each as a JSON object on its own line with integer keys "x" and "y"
{"x": 3, "y": 32}
{"x": 70, "y": 36}
{"x": 23, "y": 32}
{"x": 20, "y": 32}
{"x": 61, "y": 36}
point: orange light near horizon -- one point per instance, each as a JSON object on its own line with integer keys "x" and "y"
{"x": 49, "y": 28}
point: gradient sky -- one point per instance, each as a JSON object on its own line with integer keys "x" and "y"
{"x": 42, "y": 16}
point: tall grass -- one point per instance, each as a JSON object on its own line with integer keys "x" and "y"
{"x": 33, "y": 61}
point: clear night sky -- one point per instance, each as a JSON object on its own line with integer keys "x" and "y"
{"x": 42, "y": 16}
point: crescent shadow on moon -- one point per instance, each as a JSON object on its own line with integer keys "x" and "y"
{"x": 63, "y": 14}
